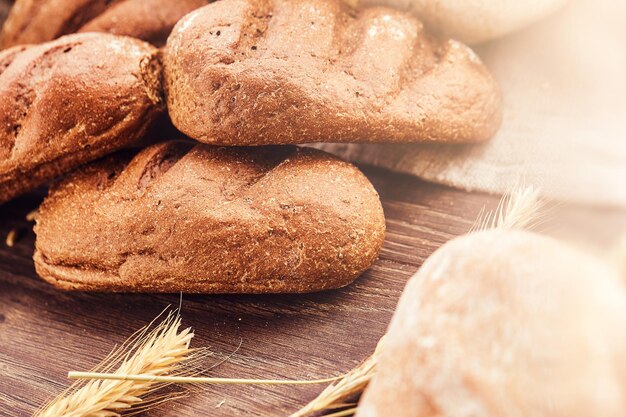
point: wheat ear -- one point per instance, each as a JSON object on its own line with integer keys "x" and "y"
{"x": 336, "y": 395}
{"x": 162, "y": 351}
{"x": 518, "y": 210}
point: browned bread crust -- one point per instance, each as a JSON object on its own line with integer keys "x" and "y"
{"x": 197, "y": 218}
{"x": 249, "y": 72}
{"x": 5, "y": 6}
{"x": 70, "y": 101}
{"x": 35, "y": 21}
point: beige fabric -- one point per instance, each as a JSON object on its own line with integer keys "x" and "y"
{"x": 564, "y": 129}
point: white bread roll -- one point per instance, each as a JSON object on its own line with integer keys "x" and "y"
{"x": 505, "y": 323}
{"x": 474, "y": 21}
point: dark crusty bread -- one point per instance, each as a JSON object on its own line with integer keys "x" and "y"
{"x": 195, "y": 218}
{"x": 248, "y": 72}
{"x": 5, "y": 6}
{"x": 504, "y": 324}
{"x": 72, "y": 100}
{"x": 35, "y": 21}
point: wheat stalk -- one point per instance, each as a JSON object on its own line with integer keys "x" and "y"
{"x": 147, "y": 362}
{"x": 343, "y": 413}
{"x": 161, "y": 351}
{"x": 336, "y": 394}
{"x": 196, "y": 380}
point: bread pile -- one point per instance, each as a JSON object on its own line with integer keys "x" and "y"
{"x": 184, "y": 214}
{"x": 496, "y": 323}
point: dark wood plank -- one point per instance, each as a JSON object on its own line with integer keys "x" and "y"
{"x": 44, "y": 332}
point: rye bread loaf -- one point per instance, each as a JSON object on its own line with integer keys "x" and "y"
{"x": 250, "y": 72}
{"x": 36, "y": 21}
{"x": 195, "y": 218}
{"x": 69, "y": 101}
{"x": 505, "y": 324}
{"x": 5, "y": 6}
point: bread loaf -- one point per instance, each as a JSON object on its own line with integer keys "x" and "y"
{"x": 5, "y": 6}
{"x": 196, "y": 218}
{"x": 36, "y": 21}
{"x": 505, "y": 324}
{"x": 250, "y": 72}
{"x": 70, "y": 101}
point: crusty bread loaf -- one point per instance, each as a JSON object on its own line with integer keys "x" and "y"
{"x": 5, "y": 6}
{"x": 243, "y": 72}
{"x": 197, "y": 218}
{"x": 505, "y": 324}
{"x": 69, "y": 101}
{"x": 35, "y": 21}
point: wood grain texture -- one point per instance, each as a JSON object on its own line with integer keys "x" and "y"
{"x": 44, "y": 332}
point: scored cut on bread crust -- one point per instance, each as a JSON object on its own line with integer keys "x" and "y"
{"x": 250, "y": 72}
{"x": 36, "y": 21}
{"x": 197, "y": 218}
{"x": 62, "y": 104}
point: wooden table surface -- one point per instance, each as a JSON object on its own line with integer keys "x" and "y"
{"x": 44, "y": 332}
